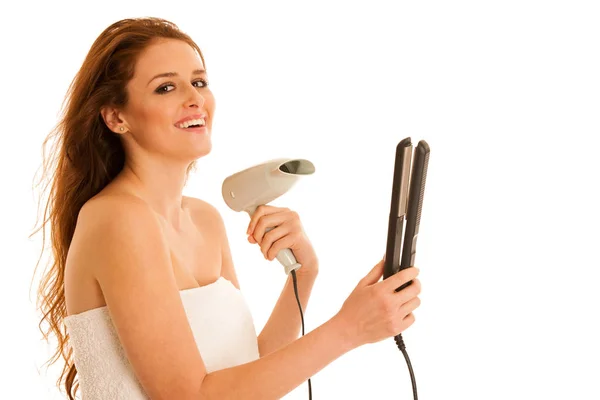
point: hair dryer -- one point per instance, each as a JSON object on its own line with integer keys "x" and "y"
{"x": 261, "y": 184}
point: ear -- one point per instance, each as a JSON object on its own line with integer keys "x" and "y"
{"x": 113, "y": 119}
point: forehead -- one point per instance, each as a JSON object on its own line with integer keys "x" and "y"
{"x": 166, "y": 55}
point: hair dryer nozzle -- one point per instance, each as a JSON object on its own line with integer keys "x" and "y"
{"x": 263, "y": 183}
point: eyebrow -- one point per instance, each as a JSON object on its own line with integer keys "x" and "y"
{"x": 169, "y": 74}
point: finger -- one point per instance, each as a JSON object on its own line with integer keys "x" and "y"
{"x": 408, "y": 293}
{"x": 261, "y": 211}
{"x": 272, "y": 236}
{"x": 409, "y": 320}
{"x": 409, "y": 306}
{"x": 374, "y": 275}
{"x": 285, "y": 242}
{"x": 400, "y": 278}
{"x": 270, "y": 221}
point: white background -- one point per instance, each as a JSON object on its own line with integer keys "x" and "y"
{"x": 506, "y": 93}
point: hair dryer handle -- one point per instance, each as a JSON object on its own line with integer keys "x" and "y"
{"x": 285, "y": 256}
{"x": 287, "y": 259}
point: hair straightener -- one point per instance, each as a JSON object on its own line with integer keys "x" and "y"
{"x": 407, "y": 202}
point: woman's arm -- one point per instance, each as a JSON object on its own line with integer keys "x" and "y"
{"x": 284, "y": 323}
{"x": 285, "y": 363}
{"x": 280, "y": 372}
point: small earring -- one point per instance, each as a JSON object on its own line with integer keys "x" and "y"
{"x": 121, "y": 129}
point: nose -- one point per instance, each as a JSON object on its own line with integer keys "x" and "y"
{"x": 193, "y": 97}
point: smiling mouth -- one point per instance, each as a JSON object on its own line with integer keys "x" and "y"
{"x": 196, "y": 129}
{"x": 195, "y": 122}
{"x": 192, "y": 127}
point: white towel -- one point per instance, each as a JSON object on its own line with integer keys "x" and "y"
{"x": 220, "y": 320}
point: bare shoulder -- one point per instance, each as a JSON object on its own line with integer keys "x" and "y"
{"x": 201, "y": 208}
{"x": 205, "y": 212}
{"x": 129, "y": 257}
{"x": 105, "y": 219}
{"x": 93, "y": 223}
{"x": 122, "y": 229}
{"x": 206, "y": 216}
{"x": 97, "y": 209}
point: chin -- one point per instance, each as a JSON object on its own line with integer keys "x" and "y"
{"x": 202, "y": 151}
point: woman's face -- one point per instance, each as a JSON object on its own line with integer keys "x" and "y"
{"x": 168, "y": 87}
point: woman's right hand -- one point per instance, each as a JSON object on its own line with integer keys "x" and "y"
{"x": 375, "y": 311}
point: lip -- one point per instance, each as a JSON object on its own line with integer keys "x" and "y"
{"x": 191, "y": 117}
{"x": 199, "y": 130}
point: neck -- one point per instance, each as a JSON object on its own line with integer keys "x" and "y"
{"x": 161, "y": 186}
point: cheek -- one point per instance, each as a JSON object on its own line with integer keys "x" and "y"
{"x": 154, "y": 124}
{"x": 157, "y": 112}
{"x": 210, "y": 105}
{"x": 156, "y": 117}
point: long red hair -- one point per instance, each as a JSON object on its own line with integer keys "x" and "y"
{"x": 85, "y": 157}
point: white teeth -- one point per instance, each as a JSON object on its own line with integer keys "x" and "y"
{"x": 200, "y": 122}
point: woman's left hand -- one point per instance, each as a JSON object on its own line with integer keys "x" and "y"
{"x": 287, "y": 232}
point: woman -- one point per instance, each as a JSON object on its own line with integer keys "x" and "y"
{"x": 142, "y": 277}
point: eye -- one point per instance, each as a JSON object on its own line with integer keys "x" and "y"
{"x": 204, "y": 82}
{"x": 163, "y": 89}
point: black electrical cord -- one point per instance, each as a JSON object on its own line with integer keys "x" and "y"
{"x": 302, "y": 318}
{"x": 402, "y": 347}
